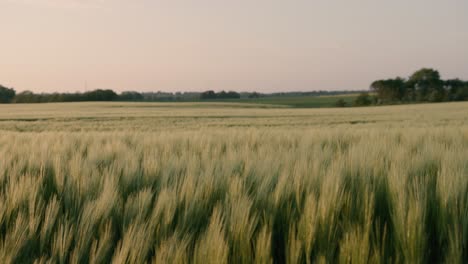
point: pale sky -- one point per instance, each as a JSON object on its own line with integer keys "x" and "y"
{"x": 242, "y": 45}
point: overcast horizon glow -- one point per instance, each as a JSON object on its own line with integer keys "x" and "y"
{"x": 242, "y": 45}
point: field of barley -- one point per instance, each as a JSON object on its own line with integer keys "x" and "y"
{"x": 233, "y": 183}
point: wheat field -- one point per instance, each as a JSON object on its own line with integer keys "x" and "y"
{"x": 233, "y": 183}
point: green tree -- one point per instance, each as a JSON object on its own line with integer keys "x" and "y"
{"x": 364, "y": 99}
{"x": 457, "y": 90}
{"x": 25, "y": 97}
{"x": 425, "y": 74}
{"x": 427, "y": 85}
{"x": 100, "y": 95}
{"x": 130, "y": 96}
{"x": 233, "y": 95}
{"x": 208, "y": 95}
{"x": 6, "y": 95}
{"x": 340, "y": 103}
{"x": 254, "y": 95}
{"x": 389, "y": 90}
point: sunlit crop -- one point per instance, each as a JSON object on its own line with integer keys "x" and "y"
{"x": 214, "y": 183}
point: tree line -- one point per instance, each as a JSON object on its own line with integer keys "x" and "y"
{"x": 96, "y": 95}
{"x": 424, "y": 85}
{"x": 9, "y": 95}
{"x": 209, "y": 95}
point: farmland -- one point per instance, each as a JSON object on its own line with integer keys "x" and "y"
{"x": 233, "y": 183}
{"x": 310, "y": 101}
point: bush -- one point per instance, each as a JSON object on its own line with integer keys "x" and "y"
{"x": 341, "y": 103}
{"x": 364, "y": 99}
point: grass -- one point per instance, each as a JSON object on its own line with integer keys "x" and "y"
{"x": 121, "y": 183}
{"x": 300, "y": 101}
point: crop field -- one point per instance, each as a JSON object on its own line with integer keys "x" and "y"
{"x": 233, "y": 183}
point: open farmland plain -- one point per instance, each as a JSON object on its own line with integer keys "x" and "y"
{"x": 233, "y": 183}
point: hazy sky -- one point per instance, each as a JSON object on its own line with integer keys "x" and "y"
{"x": 243, "y": 45}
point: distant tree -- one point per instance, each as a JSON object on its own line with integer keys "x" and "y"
{"x": 457, "y": 90}
{"x": 389, "y": 90}
{"x": 130, "y": 96}
{"x": 340, "y": 103}
{"x": 427, "y": 85}
{"x": 364, "y": 99}
{"x": 254, "y": 95}
{"x": 222, "y": 95}
{"x": 6, "y": 95}
{"x": 208, "y": 95}
{"x": 462, "y": 92}
{"x": 233, "y": 95}
{"x": 25, "y": 97}
{"x": 100, "y": 95}
{"x": 425, "y": 74}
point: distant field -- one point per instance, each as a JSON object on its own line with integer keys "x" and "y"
{"x": 299, "y": 101}
{"x": 233, "y": 183}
